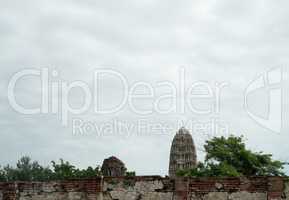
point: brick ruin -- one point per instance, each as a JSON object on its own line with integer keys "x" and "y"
{"x": 150, "y": 188}
{"x": 112, "y": 166}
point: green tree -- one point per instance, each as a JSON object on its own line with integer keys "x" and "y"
{"x": 230, "y": 157}
{"x": 130, "y": 173}
{"x": 26, "y": 170}
{"x": 90, "y": 172}
{"x": 2, "y": 175}
{"x": 65, "y": 170}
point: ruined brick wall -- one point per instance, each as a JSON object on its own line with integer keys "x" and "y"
{"x": 150, "y": 188}
{"x": 62, "y": 190}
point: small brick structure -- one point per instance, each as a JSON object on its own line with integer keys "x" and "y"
{"x": 113, "y": 166}
{"x": 150, "y": 188}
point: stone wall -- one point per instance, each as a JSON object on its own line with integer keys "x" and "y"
{"x": 150, "y": 188}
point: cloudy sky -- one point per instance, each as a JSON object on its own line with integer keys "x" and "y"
{"x": 147, "y": 41}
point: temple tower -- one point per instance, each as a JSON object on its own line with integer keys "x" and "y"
{"x": 183, "y": 152}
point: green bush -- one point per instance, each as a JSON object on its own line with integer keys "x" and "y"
{"x": 229, "y": 157}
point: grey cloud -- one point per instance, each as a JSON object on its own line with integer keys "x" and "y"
{"x": 230, "y": 41}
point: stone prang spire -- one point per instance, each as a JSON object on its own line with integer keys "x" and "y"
{"x": 183, "y": 152}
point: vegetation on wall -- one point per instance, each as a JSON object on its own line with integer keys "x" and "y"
{"x": 28, "y": 170}
{"x": 230, "y": 157}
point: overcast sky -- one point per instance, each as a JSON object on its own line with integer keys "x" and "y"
{"x": 149, "y": 40}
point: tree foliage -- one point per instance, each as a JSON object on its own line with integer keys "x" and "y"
{"x": 130, "y": 173}
{"x": 28, "y": 170}
{"x": 230, "y": 157}
{"x": 25, "y": 170}
{"x": 64, "y": 170}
